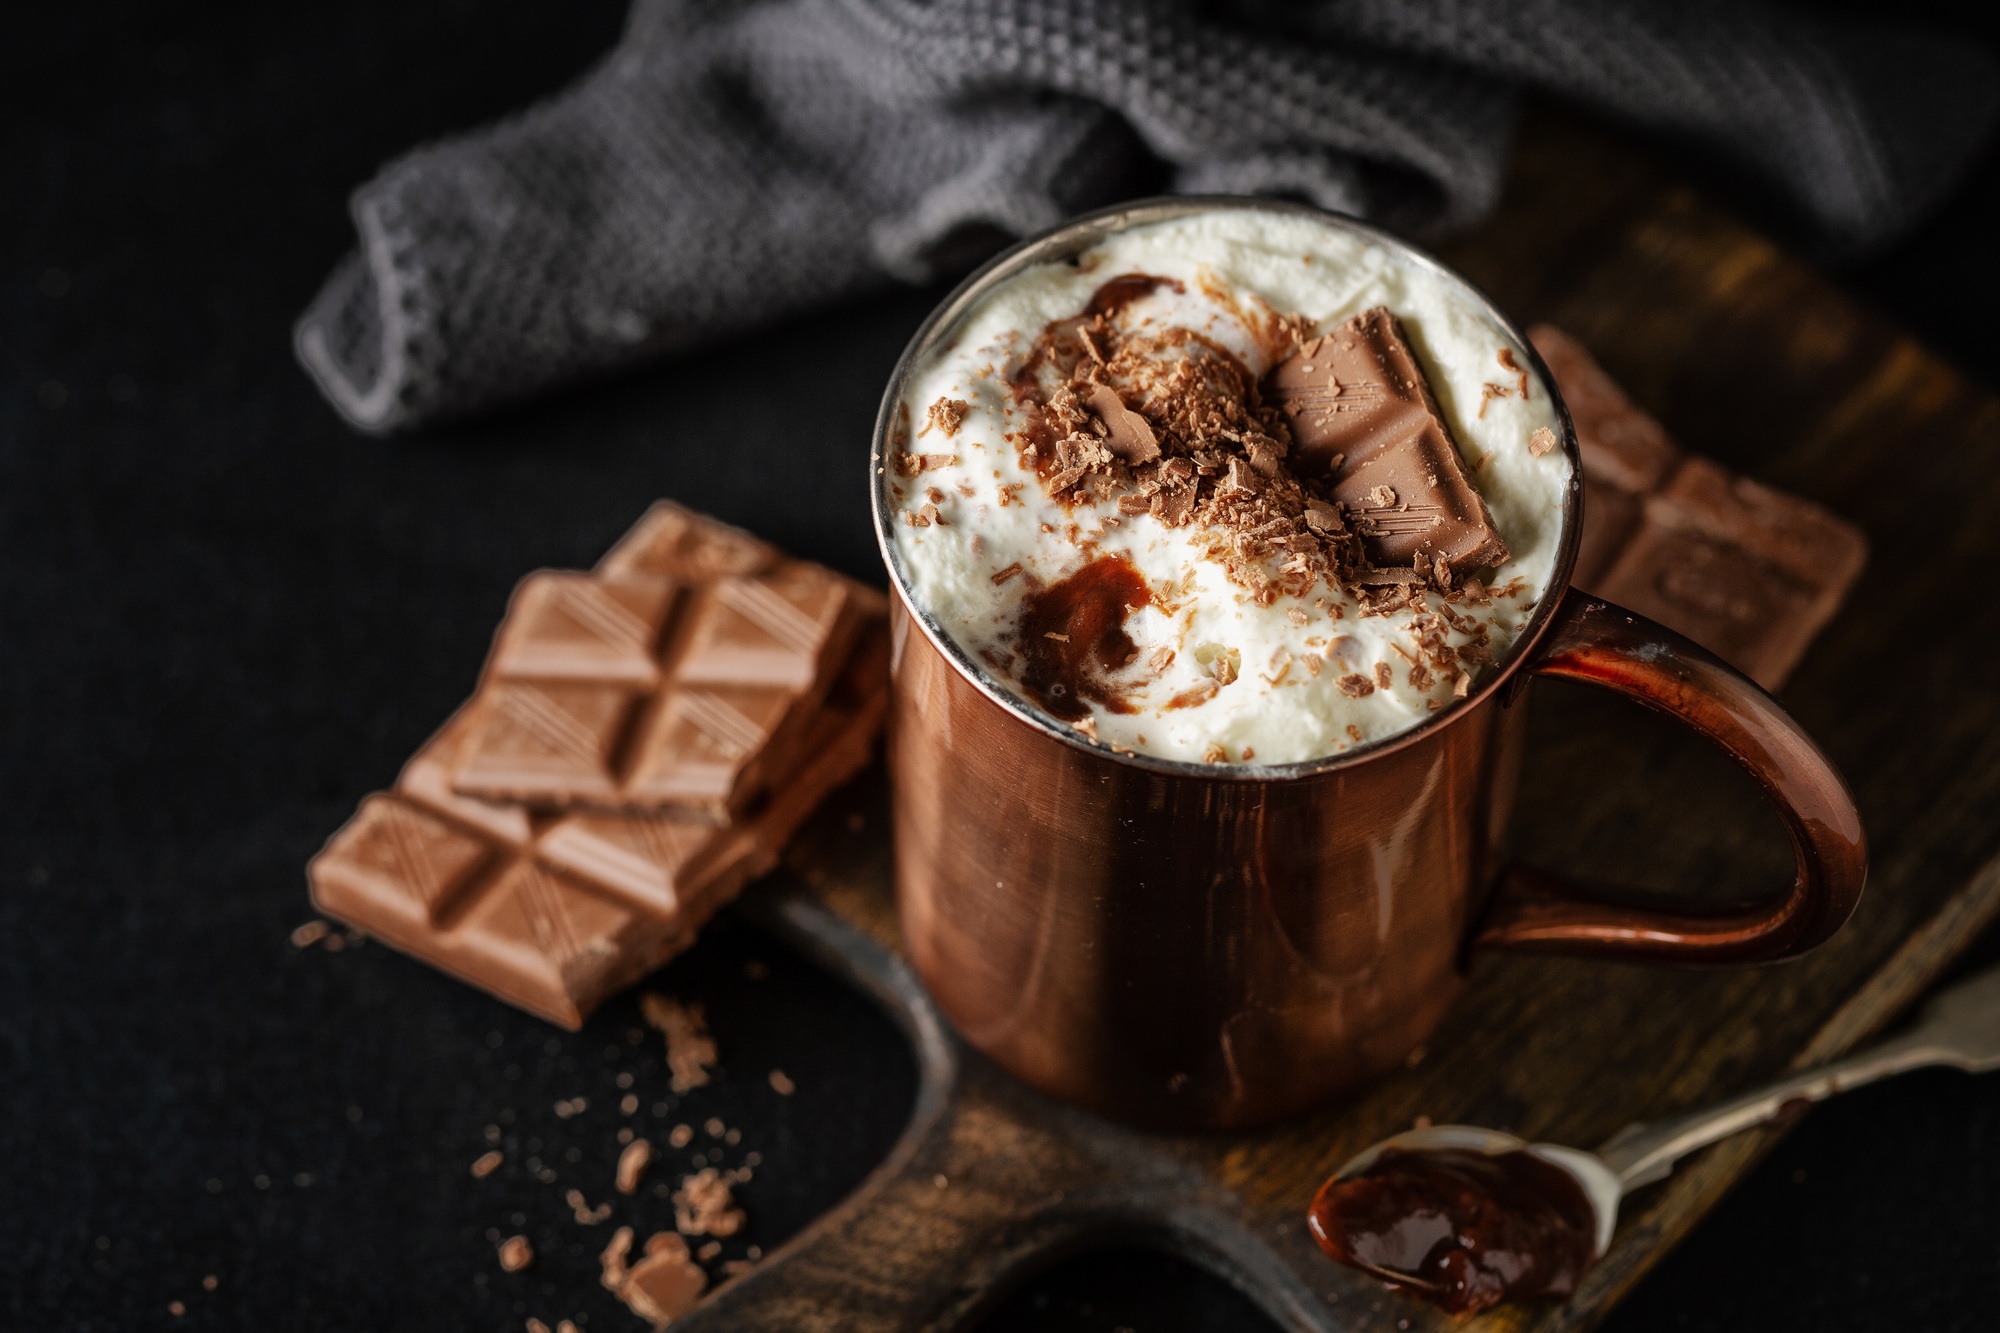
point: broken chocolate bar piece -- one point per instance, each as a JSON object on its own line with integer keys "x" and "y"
{"x": 1363, "y": 416}
{"x": 554, "y": 915}
{"x": 1750, "y": 573}
{"x": 582, "y": 705}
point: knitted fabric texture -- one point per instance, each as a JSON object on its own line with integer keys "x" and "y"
{"x": 732, "y": 162}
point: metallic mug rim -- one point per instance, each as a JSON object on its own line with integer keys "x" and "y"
{"x": 1079, "y": 234}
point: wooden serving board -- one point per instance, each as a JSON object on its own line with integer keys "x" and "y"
{"x": 1746, "y": 355}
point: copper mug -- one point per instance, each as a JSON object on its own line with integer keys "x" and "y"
{"x": 1198, "y": 946}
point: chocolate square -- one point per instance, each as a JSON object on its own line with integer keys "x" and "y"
{"x": 566, "y": 626}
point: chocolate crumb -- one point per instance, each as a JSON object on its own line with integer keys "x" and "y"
{"x": 929, "y": 515}
{"x": 703, "y": 1205}
{"x": 1542, "y": 442}
{"x": 782, "y": 1084}
{"x": 1507, "y": 362}
{"x": 1356, "y": 686}
{"x": 580, "y": 1208}
{"x": 1001, "y": 576}
{"x": 1382, "y": 675}
{"x": 1462, "y": 686}
{"x": 1214, "y": 754}
{"x": 1248, "y": 754}
{"x": 633, "y": 1164}
{"x": 309, "y": 934}
{"x": 662, "y": 1286}
{"x": 1354, "y": 733}
{"x": 947, "y": 415}
{"x": 486, "y": 1164}
{"x": 690, "y": 1050}
{"x": 515, "y": 1254}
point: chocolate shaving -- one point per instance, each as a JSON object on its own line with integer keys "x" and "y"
{"x": 690, "y": 1050}
{"x": 580, "y": 1207}
{"x": 946, "y": 415}
{"x": 1129, "y": 436}
{"x": 703, "y": 1205}
{"x": 633, "y": 1164}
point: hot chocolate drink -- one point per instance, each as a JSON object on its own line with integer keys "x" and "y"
{"x": 1237, "y": 487}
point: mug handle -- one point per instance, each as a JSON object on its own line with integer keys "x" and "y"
{"x": 1538, "y": 910}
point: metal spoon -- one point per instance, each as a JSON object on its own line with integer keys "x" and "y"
{"x": 1960, "y": 1027}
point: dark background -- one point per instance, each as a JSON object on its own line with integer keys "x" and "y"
{"x": 224, "y": 617}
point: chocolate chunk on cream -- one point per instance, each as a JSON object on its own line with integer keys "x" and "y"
{"x": 1364, "y": 419}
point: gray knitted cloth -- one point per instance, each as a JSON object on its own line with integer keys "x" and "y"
{"x": 734, "y": 161}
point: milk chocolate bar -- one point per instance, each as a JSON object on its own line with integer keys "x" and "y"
{"x": 556, "y": 913}
{"x": 1748, "y": 572}
{"x": 1362, "y": 415}
{"x": 681, "y": 673}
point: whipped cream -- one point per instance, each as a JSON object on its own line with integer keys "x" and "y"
{"x": 1220, "y": 674}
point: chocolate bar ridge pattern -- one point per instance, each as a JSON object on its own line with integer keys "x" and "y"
{"x": 681, "y": 673}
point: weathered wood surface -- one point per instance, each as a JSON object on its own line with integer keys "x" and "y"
{"x": 1746, "y": 355}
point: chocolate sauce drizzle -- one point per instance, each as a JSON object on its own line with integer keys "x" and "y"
{"x": 1073, "y": 637}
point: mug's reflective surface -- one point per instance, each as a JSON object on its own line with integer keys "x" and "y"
{"x": 1193, "y": 945}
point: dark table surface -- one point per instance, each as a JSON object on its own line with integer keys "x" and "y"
{"x": 224, "y": 617}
